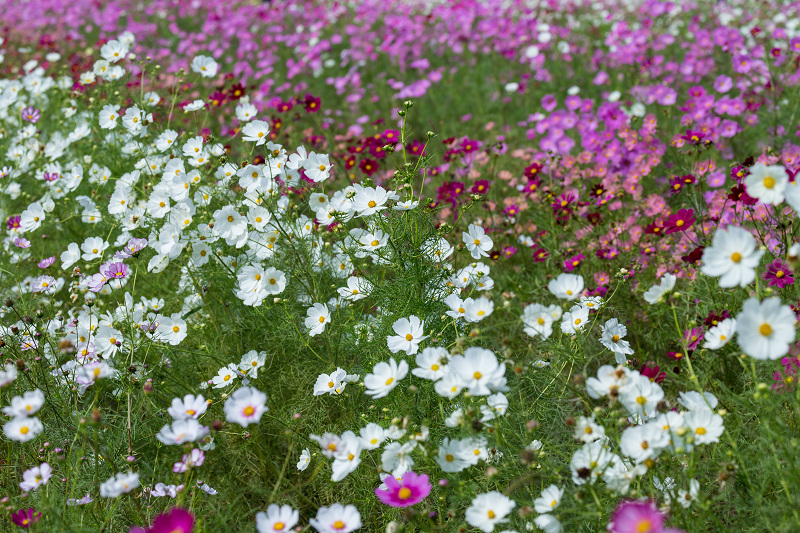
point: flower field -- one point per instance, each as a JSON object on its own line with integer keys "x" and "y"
{"x": 399, "y": 266}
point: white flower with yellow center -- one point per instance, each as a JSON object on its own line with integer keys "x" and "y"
{"x": 732, "y": 257}
{"x": 767, "y": 183}
{"x": 384, "y": 377}
{"x": 765, "y": 329}
{"x": 245, "y": 406}
{"x": 719, "y": 335}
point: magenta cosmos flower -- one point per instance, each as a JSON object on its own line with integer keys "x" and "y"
{"x": 778, "y": 274}
{"x": 410, "y": 490}
{"x": 680, "y": 221}
{"x": 175, "y": 521}
{"x": 25, "y": 517}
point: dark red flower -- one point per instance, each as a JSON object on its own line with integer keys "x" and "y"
{"x": 480, "y": 187}
{"x": 312, "y": 103}
{"x": 369, "y": 166}
{"x": 532, "y": 170}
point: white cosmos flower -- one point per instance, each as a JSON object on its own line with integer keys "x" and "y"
{"x": 489, "y": 509}
{"x": 23, "y": 428}
{"x": 765, "y": 329}
{"x": 190, "y": 406}
{"x": 245, "y": 406}
{"x": 719, "y": 335}
{"x": 205, "y": 66}
{"x": 612, "y": 338}
{"x": 409, "y": 334}
{"x": 255, "y": 131}
{"x": 549, "y": 499}
{"x": 384, "y": 377}
{"x": 538, "y": 320}
{"x": 654, "y": 294}
{"x": 336, "y": 519}
{"x": 181, "y": 431}
{"x": 566, "y": 286}
{"x": 432, "y": 363}
{"x": 767, "y": 183}
{"x": 548, "y": 523}
{"x": 305, "y": 459}
{"x": 732, "y": 257}
{"x": 277, "y": 519}
{"x": 26, "y": 405}
{"x": 318, "y": 317}
{"x": 477, "y": 242}
{"x": 479, "y": 371}
{"x": 575, "y": 319}
{"x": 705, "y": 425}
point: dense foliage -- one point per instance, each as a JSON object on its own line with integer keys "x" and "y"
{"x": 399, "y": 266}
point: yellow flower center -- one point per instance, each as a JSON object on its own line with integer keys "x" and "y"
{"x": 374, "y": 243}
{"x": 615, "y": 338}
{"x": 389, "y": 381}
{"x": 477, "y": 375}
{"x": 477, "y": 242}
{"x": 176, "y": 329}
{"x": 434, "y": 367}
{"x": 700, "y": 431}
{"x": 321, "y": 319}
{"x": 278, "y": 526}
{"x": 491, "y": 514}
{"x": 230, "y": 218}
{"x": 24, "y": 430}
{"x": 338, "y": 525}
{"x": 371, "y": 203}
{"x": 736, "y": 257}
{"x": 248, "y": 411}
{"x": 645, "y": 526}
{"x": 404, "y": 493}
{"x": 409, "y": 337}
{"x": 769, "y": 182}
{"x": 641, "y": 400}
{"x": 765, "y": 329}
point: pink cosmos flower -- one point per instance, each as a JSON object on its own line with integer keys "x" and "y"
{"x": 693, "y": 337}
{"x": 410, "y": 490}
{"x": 637, "y": 517}
{"x": 114, "y": 270}
{"x": 175, "y": 521}
{"x": 44, "y": 263}
{"x": 31, "y": 114}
